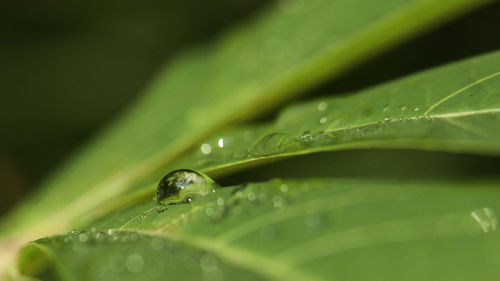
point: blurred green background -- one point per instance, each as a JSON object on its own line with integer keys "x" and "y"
{"x": 67, "y": 68}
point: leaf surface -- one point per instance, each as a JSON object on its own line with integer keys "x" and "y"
{"x": 251, "y": 69}
{"x": 451, "y": 108}
{"x": 289, "y": 230}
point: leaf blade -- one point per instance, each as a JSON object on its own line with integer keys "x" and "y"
{"x": 318, "y": 228}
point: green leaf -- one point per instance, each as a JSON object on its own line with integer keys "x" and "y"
{"x": 451, "y": 108}
{"x": 336, "y": 229}
{"x": 252, "y": 69}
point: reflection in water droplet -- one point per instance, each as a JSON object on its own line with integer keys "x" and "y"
{"x": 181, "y": 186}
{"x": 486, "y": 219}
{"x": 417, "y": 109}
{"x": 156, "y": 243}
{"x": 206, "y": 148}
{"x": 220, "y": 143}
{"x": 323, "y": 120}
{"x": 322, "y": 106}
{"x": 134, "y": 263}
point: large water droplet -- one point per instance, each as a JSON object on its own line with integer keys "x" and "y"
{"x": 181, "y": 186}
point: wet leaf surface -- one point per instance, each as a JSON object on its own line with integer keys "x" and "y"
{"x": 289, "y": 230}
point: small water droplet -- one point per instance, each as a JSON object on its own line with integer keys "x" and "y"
{"x": 209, "y": 211}
{"x": 403, "y": 108}
{"x": 306, "y": 136}
{"x": 181, "y": 186}
{"x": 208, "y": 263}
{"x": 133, "y": 237}
{"x": 417, "y": 109}
{"x": 486, "y": 219}
{"x": 160, "y": 209}
{"x": 312, "y": 221}
{"x": 206, "y": 148}
{"x": 220, "y": 201}
{"x": 387, "y": 119}
{"x": 156, "y": 243}
{"x": 323, "y": 120}
{"x": 274, "y": 143}
{"x": 220, "y": 143}
{"x": 284, "y": 188}
{"x": 93, "y": 229}
{"x": 111, "y": 231}
{"x": 237, "y": 210}
{"x": 262, "y": 197}
{"x": 251, "y": 196}
{"x": 134, "y": 263}
{"x": 322, "y": 106}
{"x": 278, "y": 202}
{"x": 385, "y": 109}
{"x": 143, "y": 216}
{"x": 83, "y": 237}
{"x": 100, "y": 236}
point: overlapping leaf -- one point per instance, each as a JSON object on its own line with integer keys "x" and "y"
{"x": 289, "y": 230}
{"x": 451, "y": 108}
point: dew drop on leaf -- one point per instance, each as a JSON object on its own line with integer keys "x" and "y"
{"x": 156, "y": 243}
{"x": 206, "y": 148}
{"x": 220, "y": 143}
{"x": 486, "y": 219}
{"x": 134, "y": 263}
{"x": 181, "y": 186}
{"x": 322, "y": 106}
{"x": 275, "y": 143}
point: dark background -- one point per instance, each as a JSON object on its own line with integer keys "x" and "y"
{"x": 67, "y": 68}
